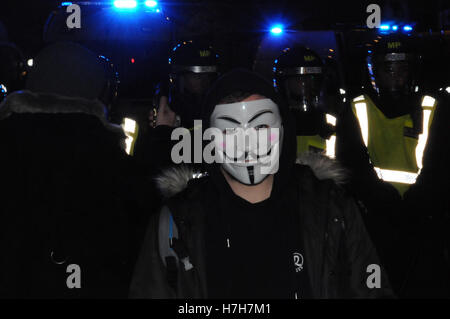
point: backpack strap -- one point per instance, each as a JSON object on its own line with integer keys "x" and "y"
{"x": 172, "y": 249}
{"x": 167, "y": 232}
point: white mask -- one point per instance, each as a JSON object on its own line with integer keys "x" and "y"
{"x": 252, "y": 138}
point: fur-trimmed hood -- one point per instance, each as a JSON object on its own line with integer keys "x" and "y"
{"x": 28, "y": 102}
{"x": 175, "y": 179}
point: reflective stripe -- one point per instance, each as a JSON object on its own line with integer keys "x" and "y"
{"x": 195, "y": 68}
{"x": 130, "y": 128}
{"x": 331, "y": 119}
{"x": 361, "y": 113}
{"x": 392, "y": 57}
{"x": 428, "y": 101}
{"x": 423, "y": 138}
{"x": 396, "y": 176}
{"x": 448, "y": 89}
{"x": 129, "y": 125}
{"x": 359, "y": 98}
{"x": 331, "y": 142}
{"x": 301, "y": 70}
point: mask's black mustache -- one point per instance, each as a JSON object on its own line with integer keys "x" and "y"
{"x": 251, "y": 174}
{"x": 235, "y": 159}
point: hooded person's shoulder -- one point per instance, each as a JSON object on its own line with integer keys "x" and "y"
{"x": 321, "y": 167}
{"x": 320, "y": 176}
{"x": 181, "y": 182}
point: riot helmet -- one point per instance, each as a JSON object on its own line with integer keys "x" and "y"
{"x": 393, "y": 65}
{"x": 193, "y": 69}
{"x": 299, "y": 76}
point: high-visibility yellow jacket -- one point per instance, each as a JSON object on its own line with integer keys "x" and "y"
{"x": 394, "y": 150}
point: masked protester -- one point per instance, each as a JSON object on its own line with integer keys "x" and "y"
{"x": 299, "y": 75}
{"x": 256, "y": 204}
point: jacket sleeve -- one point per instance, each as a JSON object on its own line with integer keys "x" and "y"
{"x": 368, "y": 278}
{"x": 149, "y": 280}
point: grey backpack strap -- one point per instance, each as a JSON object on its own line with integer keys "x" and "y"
{"x": 167, "y": 231}
{"x": 168, "y": 238}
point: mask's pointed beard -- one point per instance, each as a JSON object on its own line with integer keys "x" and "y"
{"x": 251, "y": 174}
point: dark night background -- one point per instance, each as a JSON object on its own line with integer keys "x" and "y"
{"x": 24, "y": 20}
{"x": 236, "y": 28}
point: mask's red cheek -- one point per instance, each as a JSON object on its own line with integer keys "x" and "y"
{"x": 273, "y": 137}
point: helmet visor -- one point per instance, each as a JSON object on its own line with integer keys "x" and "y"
{"x": 394, "y": 73}
{"x": 304, "y": 87}
{"x": 198, "y": 83}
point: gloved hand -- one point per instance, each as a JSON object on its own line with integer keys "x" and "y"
{"x": 164, "y": 115}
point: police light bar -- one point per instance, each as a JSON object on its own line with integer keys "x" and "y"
{"x": 125, "y": 4}
{"x": 151, "y": 4}
{"x": 66, "y": 4}
{"x": 276, "y": 30}
{"x": 407, "y": 28}
{"x": 394, "y": 28}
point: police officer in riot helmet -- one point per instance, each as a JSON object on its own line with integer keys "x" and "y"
{"x": 299, "y": 75}
{"x": 394, "y": 69}
{"x": 193, "y": 68}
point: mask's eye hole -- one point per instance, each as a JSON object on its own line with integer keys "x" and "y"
{"x": 262, "y": 126}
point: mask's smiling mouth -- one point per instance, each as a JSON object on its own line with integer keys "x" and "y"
{"x": 248, "y": 161}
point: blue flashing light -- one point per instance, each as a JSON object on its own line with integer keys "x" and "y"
{"x": 385, "y": 27}
{"x": 276, "y": 30}
{"x": 125, "y": 4}
{"x": 395, "y": 27}
{"x": 66, "y": 4}
{"x": 151, "y": 4}
{"x": 407, "y": 28}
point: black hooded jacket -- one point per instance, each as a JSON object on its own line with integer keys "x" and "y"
{"x": 338, "y": 254}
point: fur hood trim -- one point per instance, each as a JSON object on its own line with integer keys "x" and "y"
{"x": 175, "y": 179}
